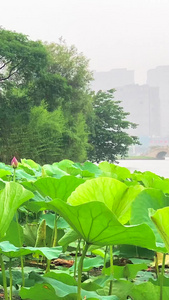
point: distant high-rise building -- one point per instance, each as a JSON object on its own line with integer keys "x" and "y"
{"x": 147, "y": 105}
{"x": 112, "y": 79}
{"x": 159, "y": 77}
{"x": 143, "y": 104}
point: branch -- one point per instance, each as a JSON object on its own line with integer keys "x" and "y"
{"x": 5, "y": 64}
{"x": 11, "y": 73}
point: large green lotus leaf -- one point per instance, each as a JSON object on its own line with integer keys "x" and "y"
{"x": 29, "y": 170}
{"x": 68, "y": 238}
{"x": 29, "y": 185}
{"x": 89, "y": 168}
{"x": 37, "y": 203}
{"x": 148, "y": 291}
{"x": 64, "y": 164}
{"x": 129, "y": 251}
{"x": 63, "y": 277}
{"x": 11, "y": 251}
{"x": 54, "y": 171}
{"x": 68, "y": 166}
{"x": 4, "y": 173}
{"x": 93, "y": 262}
{"x": 161, "y": 221}
{"x": 152, "y": 180}
{"x": 22, "y": 175}
{"x": 96, "y": 224}
{"x": 128, "y": 271}
{"x": 26, "y": 169}
{"x": 30, "y": 164}
{"x": 11, "y": 197}
{"x": 6, "y": 167}
{"x": 111, "y": 169}
{"x": 2, "y": 184}
{"x": 147, "y": 178}
{"x": 92, "y": 168}
{"x": 162, "y": 184}
{"x": 30, "y": 234}
{"x": 57, "y": 188}
{"x": 43, "y": 290}
{"x": 53, "y": 289}
{"x": 113, "y": 193}
{"x": 14, "y": 234}
{"x": 149, "y": 198}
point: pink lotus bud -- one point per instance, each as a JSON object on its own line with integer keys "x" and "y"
{"x": 14, "y": 163}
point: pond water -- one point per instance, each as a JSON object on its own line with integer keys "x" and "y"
{"x": 160, "y": 167}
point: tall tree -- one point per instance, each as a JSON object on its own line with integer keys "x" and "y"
{"x": 31, "y": 72}
{"x": 77, "y": 105}
{"x": 47, "y": 108}
{"x": 20, "y": 58}
{"x": 108, "y": 126}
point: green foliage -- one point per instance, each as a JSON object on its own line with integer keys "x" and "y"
{"x": 95, "y": 208}
{"x": 44, "y": 100}
{"x": 11, "y": 197}
{"x": 108, "y": 137}
{"x": 47, "y": 109}
{"x": 97, "y": 225}
{"x": 160, "y": 219}
{"x": 71, "y": 65}
{"x": 152, "y": 199}
{"x": 109, "y": 191}
{"x": 20, "y": 58}
{"x": 45, "y": 130}
{"x": 11, "y": 251}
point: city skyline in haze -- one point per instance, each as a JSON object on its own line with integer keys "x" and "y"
{"x": 112, "y": 34}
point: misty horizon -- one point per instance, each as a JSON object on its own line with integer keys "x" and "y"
{"x": 112, "y": 34}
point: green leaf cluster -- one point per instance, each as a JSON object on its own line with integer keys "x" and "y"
{"x": 91, "y": 206}
{"x": 48, "y": 111}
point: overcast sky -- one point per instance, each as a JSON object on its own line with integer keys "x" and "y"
{"x": 132, "y": 34}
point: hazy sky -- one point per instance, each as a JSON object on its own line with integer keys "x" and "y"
{"x": 132, "y": 34}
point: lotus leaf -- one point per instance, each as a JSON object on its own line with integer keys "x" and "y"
{"x": 113, "y": 193}
{"x": 160, "y": 219}
{"x": 96, "y": 224}
{"x": 149, "y": 198}
{"x": 11, "y": 197}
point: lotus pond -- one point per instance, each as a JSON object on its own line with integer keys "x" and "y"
{"x": 80, "y": 231}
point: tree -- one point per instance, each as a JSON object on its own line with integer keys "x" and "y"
{"x": 48, "y": 111}
{"x": 32, "y": 73}
{"x": 70, "y": 64}
{"x": 77, "y": 103}
{"x": 45, "y": 131}
{"x": 20, "y": 58}
{"x": 108, "y": 137}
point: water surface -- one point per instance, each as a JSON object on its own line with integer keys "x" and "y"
{"x": 160, "y": 167}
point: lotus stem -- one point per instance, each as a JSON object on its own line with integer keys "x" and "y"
{"x": 4, "y": 277}
{"x": 10, "y": 276}
{"x": 20, "y": 244}
{"x": 54, "y": 233}
{"x": 54, "y": 241}
{"x": 162, "y": 277}
{"x": 156, "y": 265}
{"x": 75, "y": 264}
{"x": 48, "y": 265}
{"x": 80, "y": 268}
{"x": 22, "y": 268}
{"x": 105, "y": 256}
{"x": 14, "y": 175}
{"x": 111, "y": 269}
